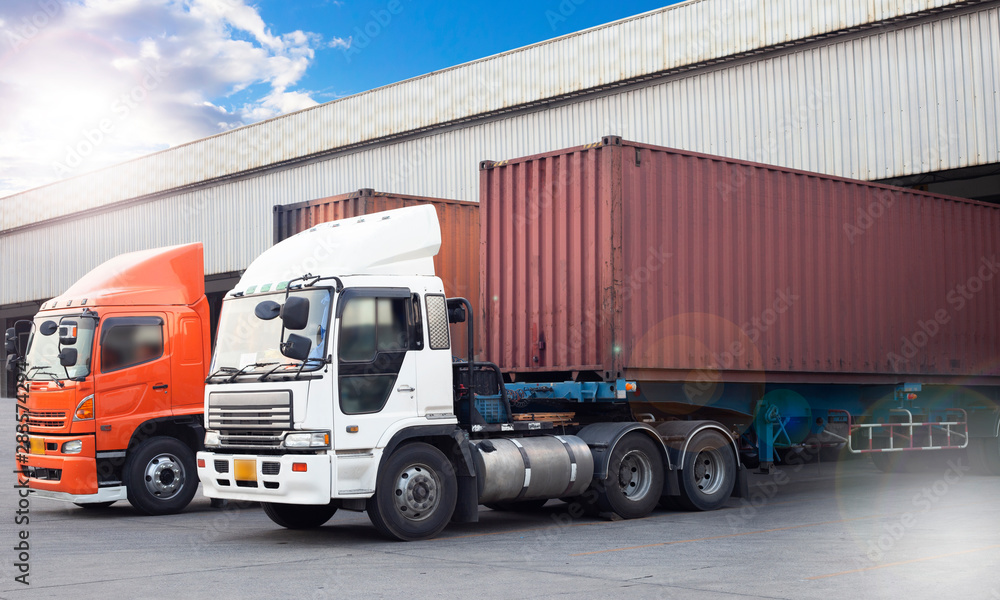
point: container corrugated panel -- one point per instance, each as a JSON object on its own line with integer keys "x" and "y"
{"x": 457, "y": 263}
{"x": 661, "y": 265}
{"x": 669, "y": 38}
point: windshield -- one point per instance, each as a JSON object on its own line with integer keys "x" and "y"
{"x": 245, "y": 340}
{"x": 42, "y": 360}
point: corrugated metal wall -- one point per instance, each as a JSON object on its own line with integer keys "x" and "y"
{"x": 876, "y": 104}
{"x": 655, "y": 264}
{"x": 684, "y": 34}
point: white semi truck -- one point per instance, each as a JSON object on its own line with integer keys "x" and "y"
{"x": 333, "y": 386}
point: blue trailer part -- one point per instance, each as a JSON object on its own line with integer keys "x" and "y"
{"x": 862, "y": 419}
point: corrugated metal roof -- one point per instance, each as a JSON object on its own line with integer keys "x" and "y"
{"x": 694, "y": 32}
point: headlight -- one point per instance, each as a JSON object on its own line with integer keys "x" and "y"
{"x": 211, "y": 439}
{"x": 313, "y": 439}
{"x": 72, "y": 447}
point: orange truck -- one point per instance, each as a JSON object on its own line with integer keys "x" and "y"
{"x": 111, "y": 379}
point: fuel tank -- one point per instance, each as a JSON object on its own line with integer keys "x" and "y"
{"x": 532, "y": 468}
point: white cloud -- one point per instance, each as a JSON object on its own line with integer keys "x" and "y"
{"x": 341, "y": 42}
{"x": 89, "y": 83}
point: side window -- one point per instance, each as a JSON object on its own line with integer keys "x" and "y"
{"x": 130, "y": 341}
{"x": 375, "y": 333}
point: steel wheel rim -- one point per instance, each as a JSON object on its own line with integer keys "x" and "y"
{"x": 709, "y": 471}
{"x": 635, "y": 475}
{"x": 164, "y": 476}
{"x": 417, "y": 492}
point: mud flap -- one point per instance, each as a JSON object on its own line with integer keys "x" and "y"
{"x": 742, "y": 487}
{"x": 467, "y": 506}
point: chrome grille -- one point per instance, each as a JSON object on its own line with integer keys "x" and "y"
{"x": 249, "y": 410}
{"x": 49, "y": 419}
{"x": 250, "y": 439}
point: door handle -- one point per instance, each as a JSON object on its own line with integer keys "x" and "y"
{"x": 405, "y": 388}
{"x": 160, "y": 386}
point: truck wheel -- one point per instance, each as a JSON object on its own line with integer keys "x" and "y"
{"x": 635, "y": 478}
{"x": 95, "y": 505}
{"x": 160, "y": 476}
{"x": 298, "y": 516}
{"x": 708, "y": 473}
{"x": 519, "y": 505}
{"x": 415, "y": 495}
{"x": 984, "y": 455}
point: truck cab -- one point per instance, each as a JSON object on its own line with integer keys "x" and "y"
{"x": 333, "y": 386}
{"x": 111, "y": 384}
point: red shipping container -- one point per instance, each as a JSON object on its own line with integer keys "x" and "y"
{"x": 457, "y": 263}
{"x": 629, "y": 260}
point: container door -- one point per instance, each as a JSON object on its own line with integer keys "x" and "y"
{"x": 376, "y": 362}
{"x": 132, "y": 377}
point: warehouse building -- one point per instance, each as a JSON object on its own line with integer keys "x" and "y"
{"x": 904, "y": 92}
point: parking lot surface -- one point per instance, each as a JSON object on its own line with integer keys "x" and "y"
{"x": 832, "y": 529}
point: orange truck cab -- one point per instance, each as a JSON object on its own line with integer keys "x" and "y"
{"x": 111, "y": 384}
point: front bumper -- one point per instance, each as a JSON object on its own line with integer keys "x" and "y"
{"x": 68, "y": 474}
{"x": 272, "y": 479}
{"x": 108, "y": 494}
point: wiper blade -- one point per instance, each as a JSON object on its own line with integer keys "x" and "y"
{"x": 244, "y": 370}
{"x": 54, "y": 377}
{"x": 294, "y": 365}
{"x": 220, "y": 371}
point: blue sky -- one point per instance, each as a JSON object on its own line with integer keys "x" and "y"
{"x": 89, "y": 83}
{"x": 425, "y": 37}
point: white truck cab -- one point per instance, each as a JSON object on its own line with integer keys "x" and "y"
{"x": 333, "y": 387}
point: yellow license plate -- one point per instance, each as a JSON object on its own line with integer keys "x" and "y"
{"x": 245, "y": 470}
{"x": 36, "y": 445}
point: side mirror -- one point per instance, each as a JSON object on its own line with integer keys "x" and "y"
{"x": 67, "y": 357}
{"x": 11, "y": 364}
{"x": 295, "y": 314}
{"x": 10, "y": 341}
{"x": 297, "y": 347}
{"x": 67, "y": 333}
{"x": 267, "y": 310}
{"x": 456, "y": 313}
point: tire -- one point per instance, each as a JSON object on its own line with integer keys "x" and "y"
{"x": 708, "y": 472}
{"x": 160, "y": 476}
{"x": 95, "y": 505}
{"x": 635, "y": 478}
{"x": 415, "y": 495}
{"x": 984, "y": 456}
{"x": 299, "y": 516}
{"x": 519, "y": 506}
